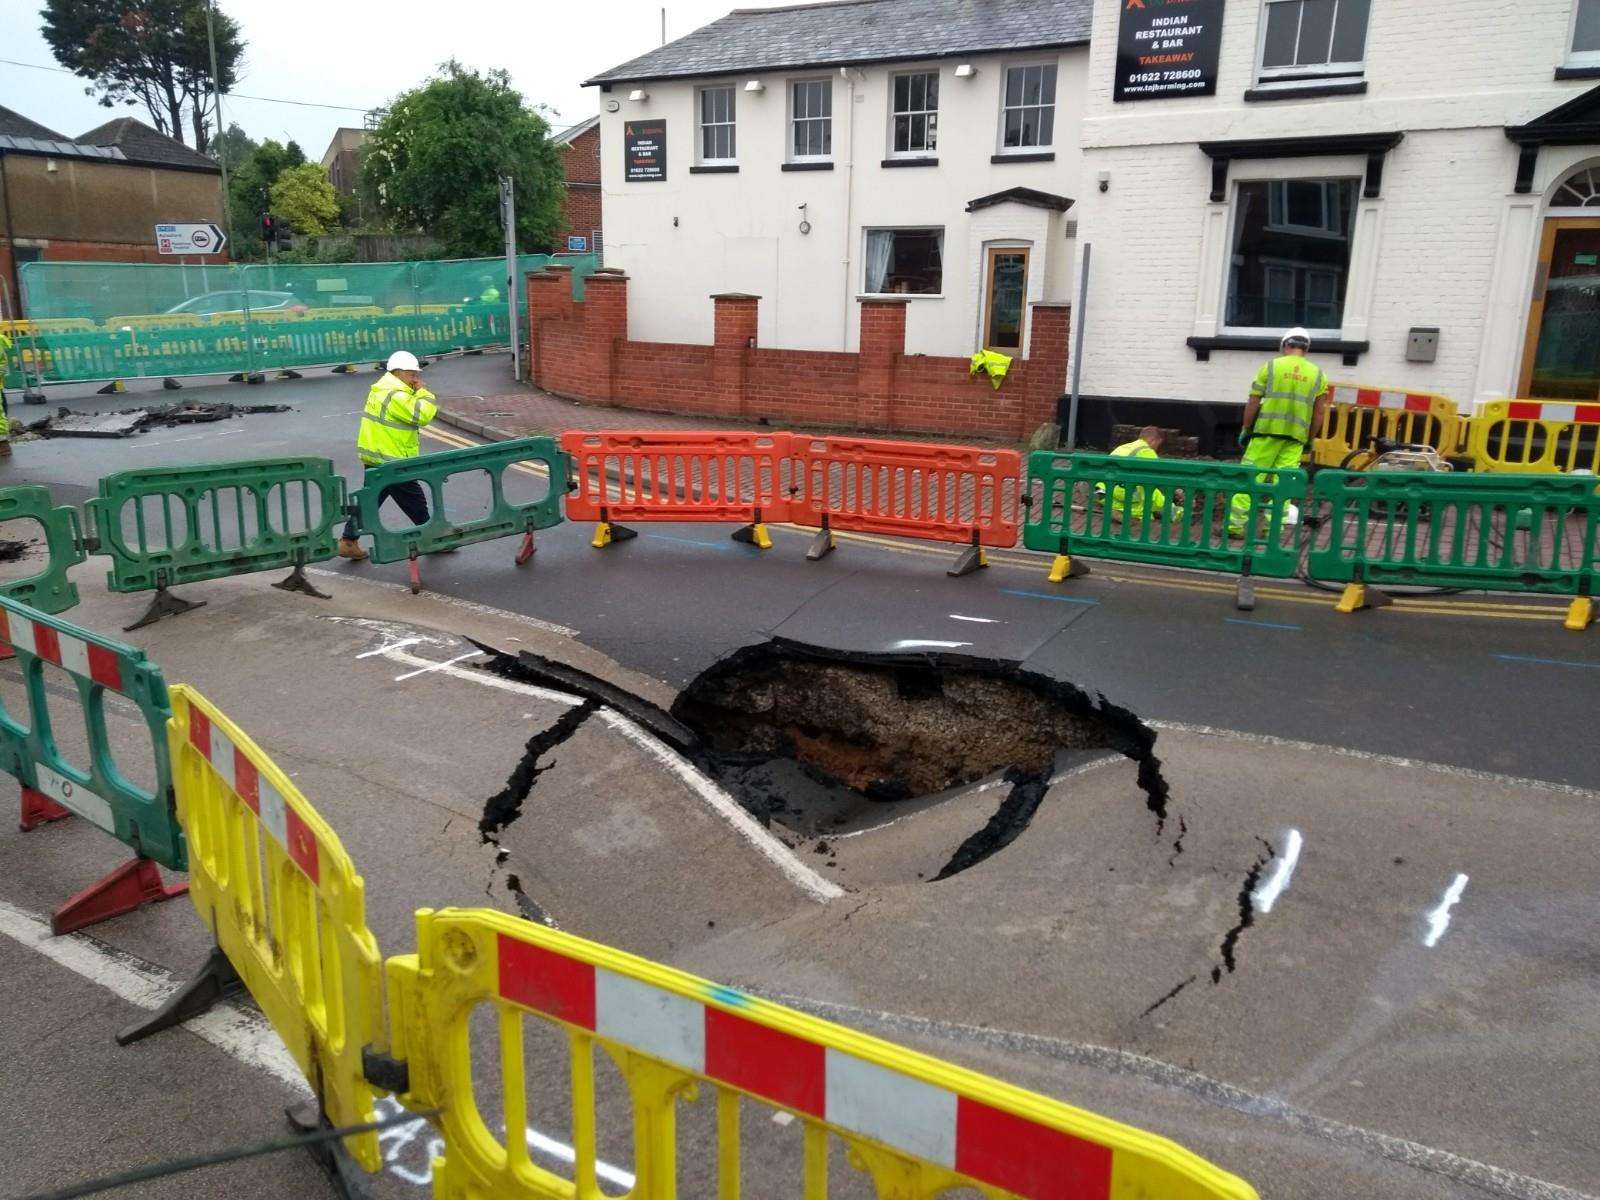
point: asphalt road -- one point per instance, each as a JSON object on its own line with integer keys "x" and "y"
{"x": 1370, "y": 1035}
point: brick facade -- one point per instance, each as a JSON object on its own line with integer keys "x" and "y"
{"x": 581, "y": 160}
{"x": 580, "y": 350}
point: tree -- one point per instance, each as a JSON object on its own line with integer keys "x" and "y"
{"x": 149, "y": 52}
{"x": 433, "y": 162}
{"x": 304, "y": 197}
{"x": 232, "y": 147}
{"x": 250, "y": 187}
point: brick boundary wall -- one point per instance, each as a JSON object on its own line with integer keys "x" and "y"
{"x": 580, "y": 351}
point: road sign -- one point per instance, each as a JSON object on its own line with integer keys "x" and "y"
{"x": 190, "y": 239}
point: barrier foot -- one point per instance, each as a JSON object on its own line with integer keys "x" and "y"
{"x": 344, "y": 369}
{"x": 38, "y": 809}
{"x": 415, "y": 571}
{"x": 296, "y": 581}
{"x": 215, "y": 981}
{"x": 255, "y": 377}
{"x": 169, "y": 384}
{"x": 1067, "y": 567}
{"x": 134, "y": 884}
{"x": 348, "y": 1180}
{"x": 606, "y": 532}
{"x": 1244, "y": 594}
{"x": 238, "y": 377}
{"x": 1579, "y": 613}
{"x": 33, "y": 396}
{"x": 163, "y": 604}
{"x": 1357, "y": 596}
{"x": 753, "y": 534}
{"x": 526, "y": 552}
{"x": 971, "y": 559}
{"x": 821, "y": 545}
{"x": 115, "y": 388}
{"x": 288, "y": 374}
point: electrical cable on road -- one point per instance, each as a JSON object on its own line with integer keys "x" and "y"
{"x": 178, "y": 1166}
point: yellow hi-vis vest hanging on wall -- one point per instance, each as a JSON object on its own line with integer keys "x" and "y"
{"x": 390, "y": 422}
{"x": 1288, "y": 386}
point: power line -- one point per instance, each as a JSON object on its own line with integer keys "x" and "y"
{"x": 230, "y": 95}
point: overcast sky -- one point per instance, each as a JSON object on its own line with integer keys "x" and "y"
{"x": 360, "y": 53}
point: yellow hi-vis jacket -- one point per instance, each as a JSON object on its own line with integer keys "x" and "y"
{"x": 5, "y": 365}
{"x": 1138, "y": 448}
{"x": 993, "y": 364}
{"x": 1288, "y": 386}
{"x": 390, "y": 422}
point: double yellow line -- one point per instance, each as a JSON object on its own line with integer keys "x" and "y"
{"x": 1039, "y": 563}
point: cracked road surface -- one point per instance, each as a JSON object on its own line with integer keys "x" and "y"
{"x": 1385, "y": 1030}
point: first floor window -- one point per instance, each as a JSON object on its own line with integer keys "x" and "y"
{"x": 906, "y": 262}
{"x": 916, "y": 112}
{"x": 811, "y": 118}
{"x": 1029, "y": 108}
{"x": 1290, "y": 253}
{"x": 1313, "y": 38}
{"x": 716, "y": 125}
{"x": 1586, "y": 30}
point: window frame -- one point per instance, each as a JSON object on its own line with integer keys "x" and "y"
{"x": 1579, "y": 58}
{"x": 1315, "y": 72}
{"x": 931, "y": 72}
{"x": 1225, "y": 326}
{"x": 1000, "y": 132}
{"x": 870, "y": 229}
{"x": 731, "y": 124}
{"x": 790, "y": 120}
{"x": 1323, "y": 230}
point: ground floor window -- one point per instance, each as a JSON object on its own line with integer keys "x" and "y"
{"x": 1289, "y": 257}
{"x": 904, "y": 262}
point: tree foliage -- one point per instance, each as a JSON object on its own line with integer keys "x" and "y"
{"x": 250, "y": 180}
{"x": 304, "y": 197}
{"x": 434, "y": 162}
{"x": 147, "y": 52}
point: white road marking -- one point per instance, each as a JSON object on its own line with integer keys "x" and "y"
{"x": 1439, "y": 918}
{"x": 977, "y": 620}
{"x": 237, "y": 1032}
{"x": 472, "y": 606}
{"x": 437, "y": 666}
{"x": 919, "y": 643}
{"x": 400, "y": 645}
{"x": 1267, "y": 894}
{"x": 720, "y": 802}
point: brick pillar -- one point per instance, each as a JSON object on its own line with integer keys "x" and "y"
{"x": 1046, "y": 370}
{"x": 605, "y": 320}
{"x": 883, "y": 341}
{"x": 549, "y": 299}
{"x": 733, "y": 338}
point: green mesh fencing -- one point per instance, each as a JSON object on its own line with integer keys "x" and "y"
{"x": 97, "y": 321}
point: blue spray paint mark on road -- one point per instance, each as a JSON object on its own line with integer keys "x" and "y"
{"x": 1262, "y": 624}
{"x": 667, "y": 537}
{"x": 1048, "y": 596}
{"x": 1549, "y": 662}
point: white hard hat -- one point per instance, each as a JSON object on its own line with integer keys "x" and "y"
{"x": 403, "y": 360}
{"x": 1297, "y": 335}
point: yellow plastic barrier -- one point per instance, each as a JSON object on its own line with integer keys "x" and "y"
{"x": 21, "y": 329}
{"x": 283, "y": 900}
{"x": 916, "y": 1125}
{"x": 1535, "y": 437}
{"x": 1359, "y": 415}
{"x": 354, "y": 310}
{"x": 156, "y": 321}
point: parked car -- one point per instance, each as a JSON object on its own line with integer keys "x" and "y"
{"x": 209, "y": 304}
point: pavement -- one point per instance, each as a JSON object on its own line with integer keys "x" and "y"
{"x": 1374, "y": 1028}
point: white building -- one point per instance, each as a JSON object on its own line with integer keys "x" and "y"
{"x": 813, "y": 154}
{"x": 1363, "y": 169}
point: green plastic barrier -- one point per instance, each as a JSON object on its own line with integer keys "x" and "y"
{"x": 163, "y": 526}
{"x": 49, "y": 591}
{"x": 504, "y": 517}
{"x": 98, "y": 791}
{"x": 1075, "y": 509}
{"x": 1515, "y": 533}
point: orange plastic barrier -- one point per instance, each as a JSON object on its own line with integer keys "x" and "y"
{"x": 690, "y": 476}
{"x": 908, "y": 489}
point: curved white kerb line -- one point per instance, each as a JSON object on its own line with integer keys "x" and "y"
{"x": 1267, "y": 894}
{"x": 1439, "y": 918}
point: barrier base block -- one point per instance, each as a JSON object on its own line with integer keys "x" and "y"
{"x": 348, "y": 1180}
{"x": 970, "y": 560}
{"x": 1067, "y": 567}
{"x": 527, "y": 548}
{"x": 343, "y": 369}
{"x": 296, "y": 581}
{"x": 415, "y": 571}
{"x": 753, "y": 534}
{"x": 38, "y": 809}
{"x": 1244, "y": 594}
{"x": 115, "y": 388}
{"x": 1357, "y": 596}
{"x": 134, "y": 884}
{"x": 169, "y": 384}
{"x": 288, "y": 374}
{"x": 215, "y": 980}
{"x": 606, "y": 532}
{"x": 163, "y": 604}
{"x": 1579, "y": 613}
{"x": 821, "y": 545}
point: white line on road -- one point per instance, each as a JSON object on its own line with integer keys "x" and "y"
{"x": 400, "y": 645}
{"x": 921, "y": 643}
{"x": 1267, "y": 894}
{"x": 237, "y": 1032}
{"x": 437, "y": 666}
{"x": 715, "y": 797}
{"x": 976, "y": 620}
{"x": 472, "y": 606}
{"x": 1439, "y": 918}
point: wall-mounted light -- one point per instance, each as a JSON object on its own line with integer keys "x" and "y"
{"x": 755, "y": 85}
{"x": 638, "y": 95}
{"x": 1105, "y": 181}
{"x": 966, "y": 71}
{"x": 611, "y": 106}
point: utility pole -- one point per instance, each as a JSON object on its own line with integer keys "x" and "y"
{"x": 216, "y": 96}
{"x": 508, "y": 218}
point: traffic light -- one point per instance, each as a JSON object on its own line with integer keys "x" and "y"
{"x": 275, "y": 230}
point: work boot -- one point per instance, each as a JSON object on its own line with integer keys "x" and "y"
{"x": 351, "y": 548}
{"x": 5, "y": 448}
